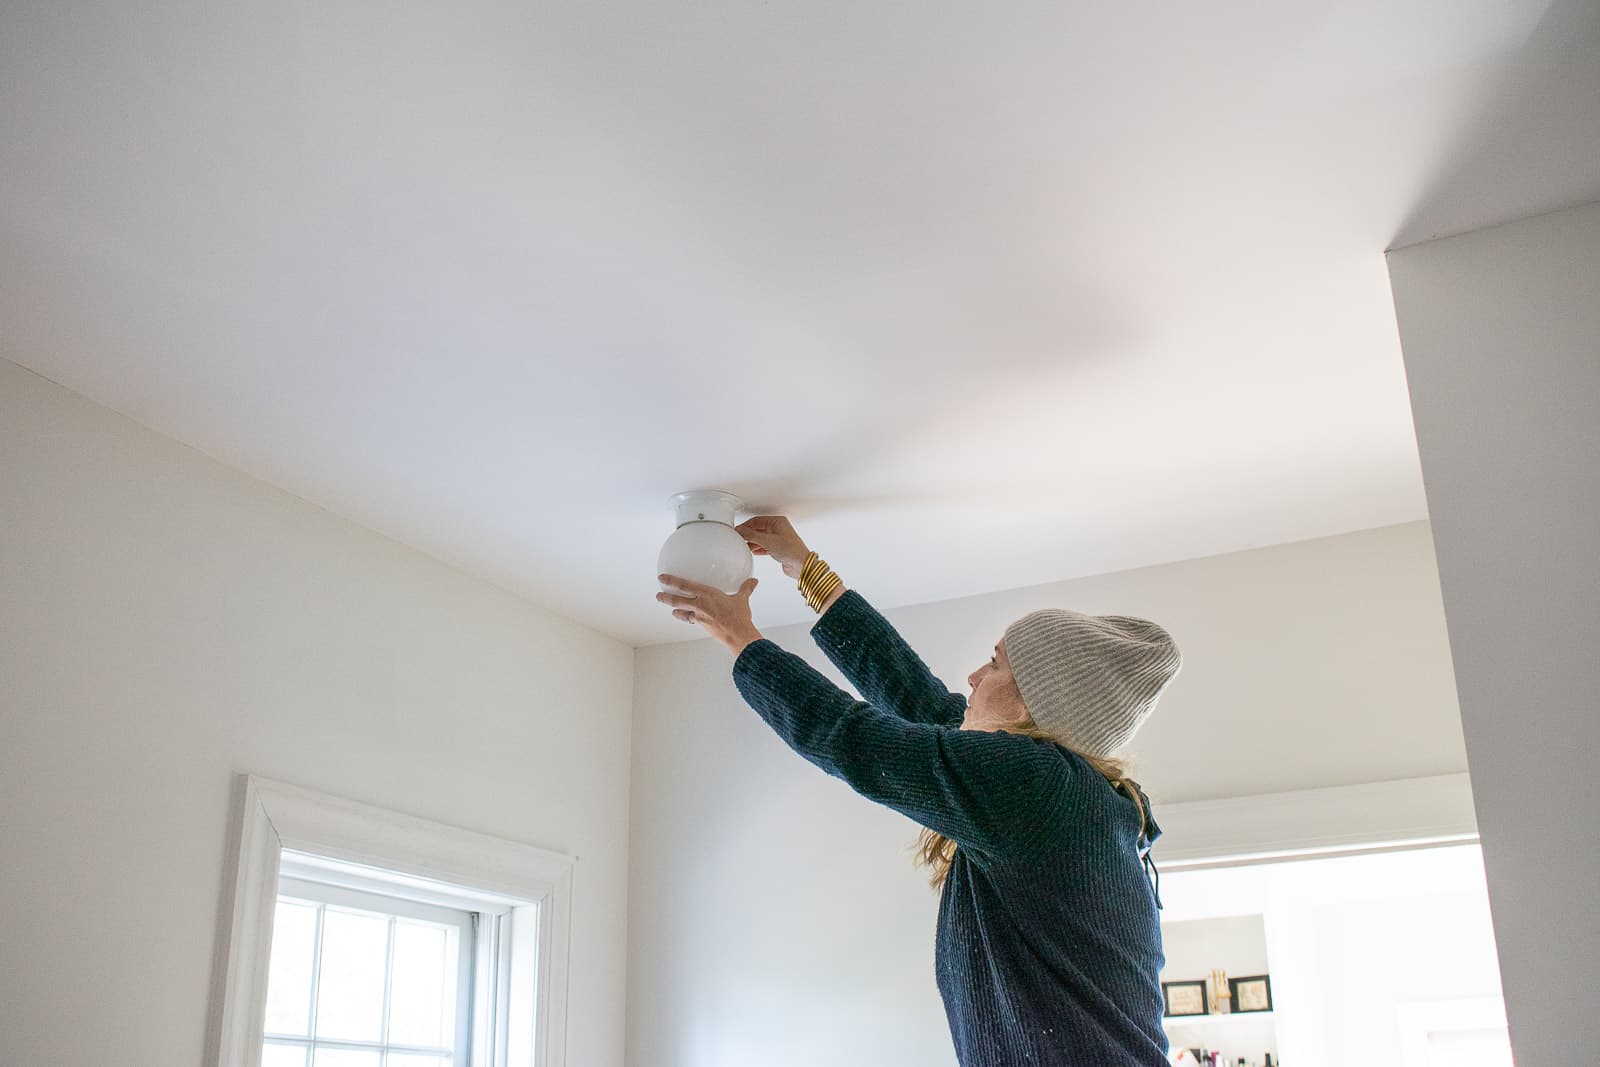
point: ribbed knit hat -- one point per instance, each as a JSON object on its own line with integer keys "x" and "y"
{"x": 1090, "y": 681}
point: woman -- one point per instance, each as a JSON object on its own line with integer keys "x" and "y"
{"x": 1049, "y": 944}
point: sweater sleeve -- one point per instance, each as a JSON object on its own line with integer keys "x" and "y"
{"x": 885, "y": 670}
{"x": 989, "y": 792}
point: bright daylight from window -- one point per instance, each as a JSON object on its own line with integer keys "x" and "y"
{"x": 361, "y": 980}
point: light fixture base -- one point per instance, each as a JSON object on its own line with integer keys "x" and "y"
{"x": 705, "y": 505}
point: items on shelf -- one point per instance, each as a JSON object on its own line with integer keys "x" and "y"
{"x": 1221, "y": 995}
{"x": 1213, "y": 1008}
{"x": 1184, "y": 998}
{"x": 1199, "y": 1057}
{"x": 1253, "y": 993}
{"x": 1218, "y": 994}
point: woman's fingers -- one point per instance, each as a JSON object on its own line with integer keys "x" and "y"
{"x": 773, "y": 536}
{"x": 672, "y": 581}
{"x": 712, "y": 609}
{"x": 762, "y": 526}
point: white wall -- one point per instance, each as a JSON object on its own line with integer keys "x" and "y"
{"x": 1501, "y": 333}
{"x": 775, "y": 917}
{"x": 166, "y": 622}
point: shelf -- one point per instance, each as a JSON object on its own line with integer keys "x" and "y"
{"x": 1206, "y": 1020}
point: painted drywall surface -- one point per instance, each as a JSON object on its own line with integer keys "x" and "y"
{"x": 775, "y": 916}
{"x": 166, "y": 622}
{"x": 442, "y": 242}
{"x": 1501, "y": 331}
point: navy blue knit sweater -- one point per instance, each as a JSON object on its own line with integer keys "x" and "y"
{"x": 1049, "y": 946}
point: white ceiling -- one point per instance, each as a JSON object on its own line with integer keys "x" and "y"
{"x": 984, "y": 295}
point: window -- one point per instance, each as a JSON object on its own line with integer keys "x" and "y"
{"x": 358, "y": 979}
{"x": 364, "y": 938}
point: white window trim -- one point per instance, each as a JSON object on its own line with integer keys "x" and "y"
{"x": 505, "y": 877}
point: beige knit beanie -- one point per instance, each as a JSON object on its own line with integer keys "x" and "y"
{"x": 1090, "y": 681}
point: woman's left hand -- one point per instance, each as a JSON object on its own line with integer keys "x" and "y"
{"x": 724, "y": 617}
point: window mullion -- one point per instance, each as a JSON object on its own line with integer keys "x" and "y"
{"x": 466, "y": 989}
{"x": 388, "y": 985}
{"x": 316, "y": 980}
{"x": 365, "y": 1046}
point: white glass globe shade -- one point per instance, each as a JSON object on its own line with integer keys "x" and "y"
{"x": 705, "y": 548}
{"x": 709, "y": 553}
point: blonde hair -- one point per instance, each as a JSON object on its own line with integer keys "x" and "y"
{"x": 936, "y": 851}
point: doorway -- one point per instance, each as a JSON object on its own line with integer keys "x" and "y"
{"x": 1385, "y": 957}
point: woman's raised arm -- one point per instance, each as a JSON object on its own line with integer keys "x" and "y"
{"x": 862, "y": 643}
{"x": 991, "y": 792}
{"x": 888, "y": 673}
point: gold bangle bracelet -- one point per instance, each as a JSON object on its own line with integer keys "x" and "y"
{"x": 813, "y": 586}
{"x": 825, "y": 591}
{"x": 810, "y": 575}
{"x": 817, "y": 582}
{"x": 813, "y": 567}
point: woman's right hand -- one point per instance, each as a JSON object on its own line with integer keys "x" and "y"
{"x": 773, "y": 535}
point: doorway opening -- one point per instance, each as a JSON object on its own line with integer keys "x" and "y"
{"x": 1384, "y": 957}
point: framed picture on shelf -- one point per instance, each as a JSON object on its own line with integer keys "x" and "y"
{"x": 1251, "y": 994}
{"x": 1184, "y": 998}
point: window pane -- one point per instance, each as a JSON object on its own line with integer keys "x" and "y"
{"x": 294, "y": 929}
{"x": 350, "y": 986}
{"x": 283, "y": 1055}
{"x": 417, "y": 1059}
{"x": 343, "y": 1057}
{"x": 422, "y": 992}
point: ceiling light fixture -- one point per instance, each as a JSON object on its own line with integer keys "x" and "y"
{"x": 705, "y": 548}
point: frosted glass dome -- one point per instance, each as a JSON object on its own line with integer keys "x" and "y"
{"x": 705, "y": 548}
